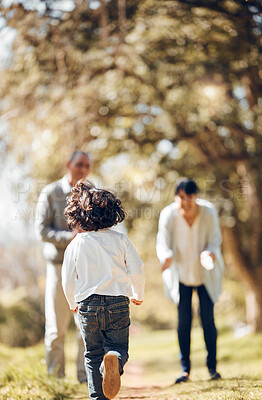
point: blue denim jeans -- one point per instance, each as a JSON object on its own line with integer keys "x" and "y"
{"x": 104, "y": 323}
{"x": 185, "y": 321}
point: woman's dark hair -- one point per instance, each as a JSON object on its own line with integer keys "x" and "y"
{"x": 189, "y": 186}
{"x": 91, "y": 209}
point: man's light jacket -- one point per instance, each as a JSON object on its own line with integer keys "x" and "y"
{"x": 50, "y": 222}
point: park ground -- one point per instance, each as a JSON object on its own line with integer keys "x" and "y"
{"x": 150, "y": 372}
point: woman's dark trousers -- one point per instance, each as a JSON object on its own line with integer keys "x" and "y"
{"x": 185, "y": 322}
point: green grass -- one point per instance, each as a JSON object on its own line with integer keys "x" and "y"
{"x": 150, "y": 373}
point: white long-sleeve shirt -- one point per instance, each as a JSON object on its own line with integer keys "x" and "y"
{"x": 184, "y": 245}
{"x": 104, "y": 262}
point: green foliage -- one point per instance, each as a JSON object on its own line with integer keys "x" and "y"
{"x": 22, "y": 321}
{"x": 185, "y": 60}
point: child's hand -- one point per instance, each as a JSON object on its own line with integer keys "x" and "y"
{"x": 75, "y": 310}
{"x": 136, "y": 302}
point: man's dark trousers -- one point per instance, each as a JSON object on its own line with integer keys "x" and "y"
{"x": 185, "y": 321}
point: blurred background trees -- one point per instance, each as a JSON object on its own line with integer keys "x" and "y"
{"x": 152, "y": 90}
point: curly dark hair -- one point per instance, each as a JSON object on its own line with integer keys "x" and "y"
{"x": 91, "y": 209}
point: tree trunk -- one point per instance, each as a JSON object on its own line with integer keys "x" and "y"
{"x": 104, "y": 24}
{"x": 252, "y": 278}
{"x": 254, "y": 309}
{"x": 122, "y": 17}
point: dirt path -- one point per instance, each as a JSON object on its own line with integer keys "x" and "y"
{"x": 134, "y": 388}
{"x": 146, "y": 392}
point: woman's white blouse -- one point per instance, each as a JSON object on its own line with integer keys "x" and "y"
{"x": 104, "y": 262}
{"x": 184, "y": 244}
{"x": 187, "y": 251}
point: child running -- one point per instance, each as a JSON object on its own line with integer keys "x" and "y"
{"x": 101, "y": 273}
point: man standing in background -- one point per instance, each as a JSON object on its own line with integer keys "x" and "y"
{"x": 51, "y": 228}
{"x": 188, "y": 247}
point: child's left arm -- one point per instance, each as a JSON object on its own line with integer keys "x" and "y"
{"x": 135, "y": 270}
{"x": 69, "y": 274}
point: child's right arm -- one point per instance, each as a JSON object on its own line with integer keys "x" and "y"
{"x": 135, "y": 270}
{"x": 69, "y": 273}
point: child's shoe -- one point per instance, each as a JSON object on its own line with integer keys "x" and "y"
{"x": 111, "y": 376}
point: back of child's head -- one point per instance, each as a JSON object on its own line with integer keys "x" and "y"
{"x": 91, "y": 208}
